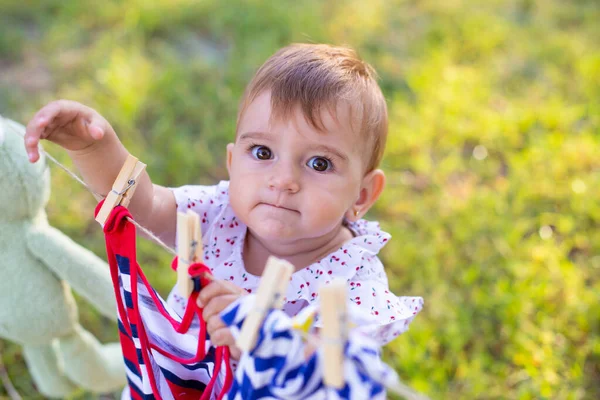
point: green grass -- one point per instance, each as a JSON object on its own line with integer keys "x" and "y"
{"x": 494, "y": 185}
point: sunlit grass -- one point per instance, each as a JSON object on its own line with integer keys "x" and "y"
{"x": 492, "y": 160}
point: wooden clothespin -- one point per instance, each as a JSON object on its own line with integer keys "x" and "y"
{"x": 123, "y": 188}
{"x": 334, "y": 333}
{"x": 274, "y": 281}
{"x": 189, "y": 249}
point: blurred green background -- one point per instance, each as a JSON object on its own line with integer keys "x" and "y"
{"x": 493, "y": 157}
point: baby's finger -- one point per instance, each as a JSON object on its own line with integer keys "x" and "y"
{"x": 218, "y": 304}
{"x": 33, "y": 133}
{"x": 54, "y": 114}
{"x": 59, "y": 112}
{"x": 95, "y": 126}
{"x": 95, "y": 132}
{"x": 43, "y": 122}
{"x": 214, "y": 323}
{"x": 222, "y": 337}
{"x": 216, "y": 288}
{"x": 235, "y": 352}
{"x": 31, "y": 147}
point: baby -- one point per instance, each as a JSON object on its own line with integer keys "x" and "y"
{"x": 311, "y": 131}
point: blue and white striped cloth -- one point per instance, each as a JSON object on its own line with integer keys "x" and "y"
{"x": 277, "y": 368}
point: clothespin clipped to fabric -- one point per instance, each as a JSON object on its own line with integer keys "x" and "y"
{"x": 189, "y": 249}
{"x": 334, "y": 332}
{"x": 271, "y": 289}
{"x": 123, "y": 188}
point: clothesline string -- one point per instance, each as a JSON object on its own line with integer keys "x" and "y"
{"x": 73, "y": 175}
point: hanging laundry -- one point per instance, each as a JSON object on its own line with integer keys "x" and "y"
{"x": 166, "y": 356}
{"x": 278, "y": 369}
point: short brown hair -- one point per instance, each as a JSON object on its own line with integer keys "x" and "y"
{"x": 314, "y": 76}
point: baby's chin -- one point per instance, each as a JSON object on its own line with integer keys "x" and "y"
{"x": 275, "y": 231}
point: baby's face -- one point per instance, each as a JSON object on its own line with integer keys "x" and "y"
{"x": 289, "y": 181}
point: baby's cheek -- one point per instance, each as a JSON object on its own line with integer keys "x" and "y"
{"x": 327, "y": 211}
{"x": 239, "y": 204}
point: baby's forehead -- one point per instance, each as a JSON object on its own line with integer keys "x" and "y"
{"x": 339, "y": 119}
{"x": 334, "y": 123}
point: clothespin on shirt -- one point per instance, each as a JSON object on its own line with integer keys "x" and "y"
{"x": 189, "y": 249}
{"x": 334, "y": 332}
{"x": 271, "y": 289}
{"x": 123, "y": 188}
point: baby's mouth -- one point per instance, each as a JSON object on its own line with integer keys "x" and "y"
{"x": 278, "y": 206}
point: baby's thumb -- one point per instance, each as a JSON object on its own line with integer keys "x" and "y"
{"x": 96, "y": 132}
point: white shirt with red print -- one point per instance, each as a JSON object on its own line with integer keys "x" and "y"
{"x": 384, "y": 315}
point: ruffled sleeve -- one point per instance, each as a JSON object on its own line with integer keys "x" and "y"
{"x": 390, "y": 315}
{"x": 384, "y": 315}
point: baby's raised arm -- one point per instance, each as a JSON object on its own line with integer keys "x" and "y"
{"x": 98, "y": 154}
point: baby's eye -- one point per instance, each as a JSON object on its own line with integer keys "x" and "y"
{"x": 320, "y": 164}
{"x": 261, "y": 152}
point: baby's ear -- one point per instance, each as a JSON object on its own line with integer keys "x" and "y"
{"x": 370, "y": 190}
{"x": 229, "y": 157}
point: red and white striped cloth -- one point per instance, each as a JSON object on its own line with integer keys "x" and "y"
{"x": 166, "y": 356}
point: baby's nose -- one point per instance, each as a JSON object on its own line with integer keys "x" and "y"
{"x": 284, "y": 180}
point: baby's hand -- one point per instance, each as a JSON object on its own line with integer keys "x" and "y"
{"x": 214, "y": 298}
{"x": 69, "y": 124}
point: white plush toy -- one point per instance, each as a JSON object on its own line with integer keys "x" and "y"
{"x": 38, "y": 267}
